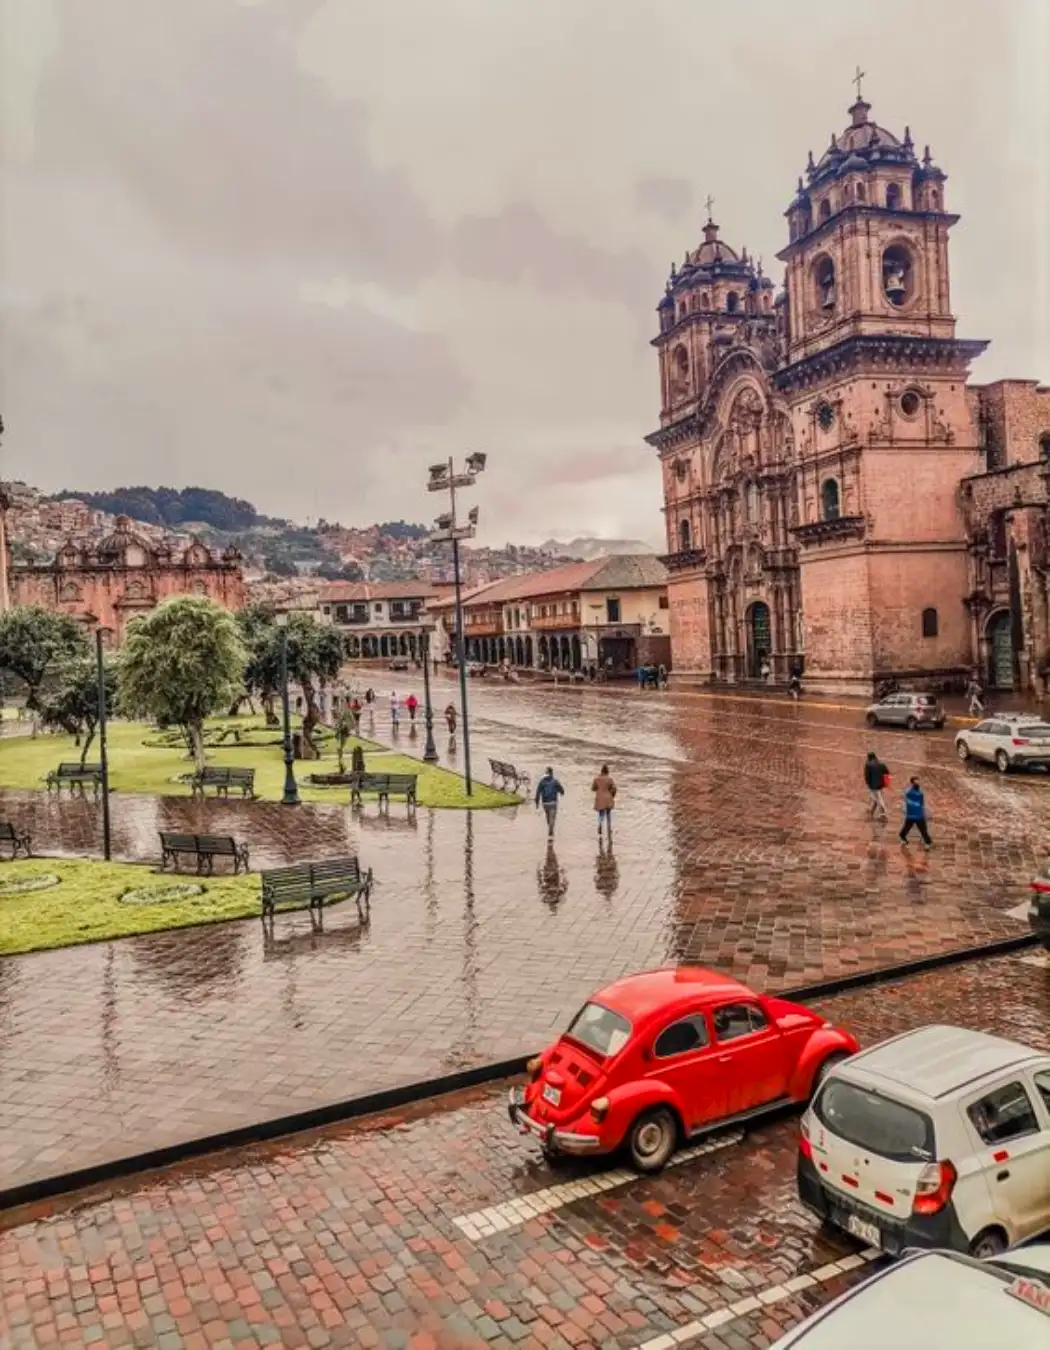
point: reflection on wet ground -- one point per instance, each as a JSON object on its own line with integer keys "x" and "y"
{"x": 741, "y": 840}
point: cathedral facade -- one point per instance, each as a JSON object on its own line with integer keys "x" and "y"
{"x": 839, "y": 498}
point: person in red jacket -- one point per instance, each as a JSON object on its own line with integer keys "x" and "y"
{"x": 412, "y": 703}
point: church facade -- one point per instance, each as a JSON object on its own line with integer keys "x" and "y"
{"x": 839, "y": 498}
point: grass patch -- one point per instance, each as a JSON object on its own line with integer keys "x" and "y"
{"x": 86, "y": 906}
{"x": 140, "y": 761}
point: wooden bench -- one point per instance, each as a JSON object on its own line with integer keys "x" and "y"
{"x": 205, "y": 848}
{"x": 507, "y": 773}
{"x": 18, "y": 839}
{"x": 76, "y": 775}
{"x": 385, "y": 786}
{"x": 222, "y": 780}
{"x": 313, "y": 885}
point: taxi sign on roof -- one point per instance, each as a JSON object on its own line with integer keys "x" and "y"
{"x": 1031, "y": 1292}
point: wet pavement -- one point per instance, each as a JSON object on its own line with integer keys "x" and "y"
{"x": 361, "y": 1236}
{"x": 741, "y": 841}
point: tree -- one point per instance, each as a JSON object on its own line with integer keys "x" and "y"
{"x": 340, "y": 571}
{"x": 315, "y": 655}
{"x": 345, "y": 727}
{"x": 279, "y": 564}
{"x": 73, "y": 704}
{"x": 262, "y": 674}
{"x": 181, "y": 663}
{"x": 33, "y": 641}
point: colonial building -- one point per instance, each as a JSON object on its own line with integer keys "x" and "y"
{"x": 107, "y": 583}
{"x": 825, "y": 459}
{"x": 610, "y": 613}
{"x": 378, "y": 619}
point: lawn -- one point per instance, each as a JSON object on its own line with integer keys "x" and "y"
{"x": 86, "y": 905}
{"x": 141, "y": 759}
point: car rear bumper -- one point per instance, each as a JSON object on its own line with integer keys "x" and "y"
{"x": 917, "y": 1230}
{"x": 562, "y": 1141}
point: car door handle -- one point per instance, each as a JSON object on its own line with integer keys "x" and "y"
{"x": 725, "y": 1059}
{"x": 1003, "y": 1175}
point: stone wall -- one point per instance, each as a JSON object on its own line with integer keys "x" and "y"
{"x": 1016, "y": 417}
{"x": 690, "y": 628}
{"x": 837, "y": 611}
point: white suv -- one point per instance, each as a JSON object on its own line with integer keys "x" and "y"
{"x": 937, "y": 1138}
{"x": 1007, "y": 740}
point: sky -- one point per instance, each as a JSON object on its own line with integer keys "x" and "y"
{"x": 299, "y": 250}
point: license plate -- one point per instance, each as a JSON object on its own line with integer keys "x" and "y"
{"x": 552, "y": 1095}
{"x": 867, "y": 1232}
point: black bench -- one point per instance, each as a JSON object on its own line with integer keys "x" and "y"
{"x": 205, "y": 848}
{"x": 507, "y": 773}
{"x": 313, "y": 885}
{"x": 222, "y": 780}
{"x": 385, "y": 786}
{"x": 76, "y": 775}
{"x": 18, "y": 839}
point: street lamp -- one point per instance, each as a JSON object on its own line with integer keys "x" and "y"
{"x": 291, "y": 787}
{"x": 430, "y": 753}
{"x": 103, "y": 754}
{"x": 443, "y": 478}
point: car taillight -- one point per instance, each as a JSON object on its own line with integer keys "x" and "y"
{"x": 934, "y": 1187}
{"x": 534, "y": 1066}
{"x": 804, "y": 1146}
{"x": 1020, "y": 740}
{"x": 600, "y": 1109}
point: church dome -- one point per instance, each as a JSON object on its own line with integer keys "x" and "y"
{"x": 115, "y": 544}
{"x": 713, "y": 250}
{"x": 862, "y": 144}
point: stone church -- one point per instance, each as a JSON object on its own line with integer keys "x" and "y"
{"x": 839, "y": 498}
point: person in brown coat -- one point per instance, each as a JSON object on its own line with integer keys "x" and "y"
{"x": 604, "y": 789}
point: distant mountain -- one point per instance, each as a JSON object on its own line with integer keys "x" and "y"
{"x": 588, "y": 547}
{"x": 174, "y": 508}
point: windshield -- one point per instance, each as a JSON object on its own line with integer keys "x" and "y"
{"x": 600, "y": 1029}
{"x": 873, "y": 1122}
{"x": 1035, "y": 731}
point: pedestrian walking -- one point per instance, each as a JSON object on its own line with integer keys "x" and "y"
{"x": 355, "y": 713}
{"x": 876, "y": 779}
{"x": 370, "y": 695}
{"x": 450, "y": 718}
{"x": 795, "y": 683}
{"x": 976, "y": 696}
{"x": 412, "y": 703}
{"x": 357, "y": 760}
{"x": 395, "y": 711}
{"x": 604, "y": 789}
{"x": 915, "y": 814}
{"x": 661, "y": 675}
{"x": 548, "y": 790}
{"x": 765, "y": 670}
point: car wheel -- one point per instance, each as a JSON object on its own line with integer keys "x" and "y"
{"x": 1002, "y": 761}
{"x": 992, "y": 1242}
{"x": 652, "y": 1139}
{"x": 912, "y": 723}
{"x": 872, "y": 720}
{"x": 963, "y": 751}
{"x": 826, "y": 1067}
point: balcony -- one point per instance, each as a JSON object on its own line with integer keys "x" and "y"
{"x": 821, "y": 531}
{"x": 562, "y": 623}
{"x": 684, "y": 561}
{"x": 350, "y": 617}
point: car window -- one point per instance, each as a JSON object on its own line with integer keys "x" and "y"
{"x": 871, "y": 1121}
{"x": 983, "y": 728}
{"x": 1006, "y": 1113}
{"x": 998, "y": 729}
{"x": 1035, "y": 731}
{"x": 927, "y": 700}
{"x": 1042, "y": 1086}
{"x": 735, "y": 1019}
{"x": 600, "y": 1029}
{"x": 688, "y": 1034}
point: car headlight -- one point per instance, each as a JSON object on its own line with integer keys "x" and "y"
{"x": 533, "y": 1067}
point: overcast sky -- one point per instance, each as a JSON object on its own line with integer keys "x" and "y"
{"x": 298, "y": 250}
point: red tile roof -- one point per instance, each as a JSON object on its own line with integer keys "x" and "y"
{"x": 346, "y": 592}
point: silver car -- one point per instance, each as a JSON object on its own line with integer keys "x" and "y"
{"x": 906, "y": 710}
{"x": 1007, "y": 740}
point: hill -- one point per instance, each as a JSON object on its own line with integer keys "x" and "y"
{"x": 588, "y": 547}
{"x": 174, "y": 508}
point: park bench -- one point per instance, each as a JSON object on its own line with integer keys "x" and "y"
{"x": 385, "y": 786}
{"x": 313, "y": 885}
{"x": 76, "y": 775}
{"x": 507, "y": 773}
{"x": 18, "y": 839}
{"x": 205, "y": 848}
{"x": 222, "y": 780}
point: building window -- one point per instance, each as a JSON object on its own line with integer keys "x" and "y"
{"x": 825, "y": 278}
{"x": 829, "y": 498}
{"x": 685, "y": 541}
{"x": 664, "y": 602}
{"x": 898, "y": 275}
{"x": 929, "y": 623}
{"x": 910, "y": 403}
{"x": 862, "y": 192}
{"x": 825, "y": 209}
{"x": 1044, "y": 445}
{"x": 379, "y": 609}
{"x": 893, "y": 197}
{"x": 612, "y": 610}
{"x": 732, "y": 302}
{"x": 825, "y": 416}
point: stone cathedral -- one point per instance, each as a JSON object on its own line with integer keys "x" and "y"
{"x": 839, "y": 498}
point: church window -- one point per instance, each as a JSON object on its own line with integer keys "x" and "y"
{"x": 685, "y": 536}
{"x": 681, "y": 468}
{"x": 862, "y": 193}
{"x": 705, "y": 301}
{"x": 829, "y": 499}
{"x": 825, "y": 209}
{"x": 1044, "y": 445}
{"x": 929, "y": 623}
{"x": 898, "y": 275}
{"x": 910, "y": 403}
{"x": 893, "y": 197}
{"x": 732, "y": 302}
{"x": 825, "y": 277}
{"x": 825, "y": 416}
{"x": 935, "y": 201}
{"x": 752, "y": 501}
{"x": 681, "y": 360}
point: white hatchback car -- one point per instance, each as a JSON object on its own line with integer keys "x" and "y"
{"x": 934, "y": 1299}
{"x": 1007, "y": 740}
{"x": 937, "y": 1138}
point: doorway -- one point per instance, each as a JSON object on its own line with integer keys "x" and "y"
{"x": 1000, "y": 651}
{"x": 759, "y": 638}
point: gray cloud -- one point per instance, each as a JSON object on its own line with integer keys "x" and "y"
{"x": 666, "y": 196}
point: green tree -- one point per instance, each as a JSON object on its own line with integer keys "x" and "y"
{"x": 345, "y": 727}
{"x": 315, "y": 655}
{"x": 181, "y": 663}
{"x": 72, "y": 705}
{"x": 262, "y": 674}
{"x": 33, "y": 641}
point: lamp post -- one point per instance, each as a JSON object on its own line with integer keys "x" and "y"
{"x": 103, "y": 754}
{"x": 443, "y": 478}
{"x": 430, "y": 753}
{"x": 291, "y": 787}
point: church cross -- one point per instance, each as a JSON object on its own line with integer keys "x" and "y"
{"x": 857, "y": 79}
{"x": 709, "y": 203}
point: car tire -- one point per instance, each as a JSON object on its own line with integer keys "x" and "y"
{"x": 963, "y": 751}
{"x": 825, "y": 1067}
{"x": 652, "y": 1139}
{"x": 1002, "y": 761}
{"x": 872, "y": 720}
{"x": 912, "y": 723}
{"x": 988, "y": 1243}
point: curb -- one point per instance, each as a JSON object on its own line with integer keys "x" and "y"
{"x": 375, "y": 1102}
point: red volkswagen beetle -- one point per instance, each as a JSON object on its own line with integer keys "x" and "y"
{"x": 657, "y": 1058}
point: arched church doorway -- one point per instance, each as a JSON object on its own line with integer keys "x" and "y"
{"x": 1000, "y": 650}
{"x": 759, "y": 638}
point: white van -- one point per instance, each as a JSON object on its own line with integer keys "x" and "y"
{"x": 937, "y": 1138}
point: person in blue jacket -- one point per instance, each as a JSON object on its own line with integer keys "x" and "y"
{"x": 915, "y": 814}
{"x": 548, "y": 790}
